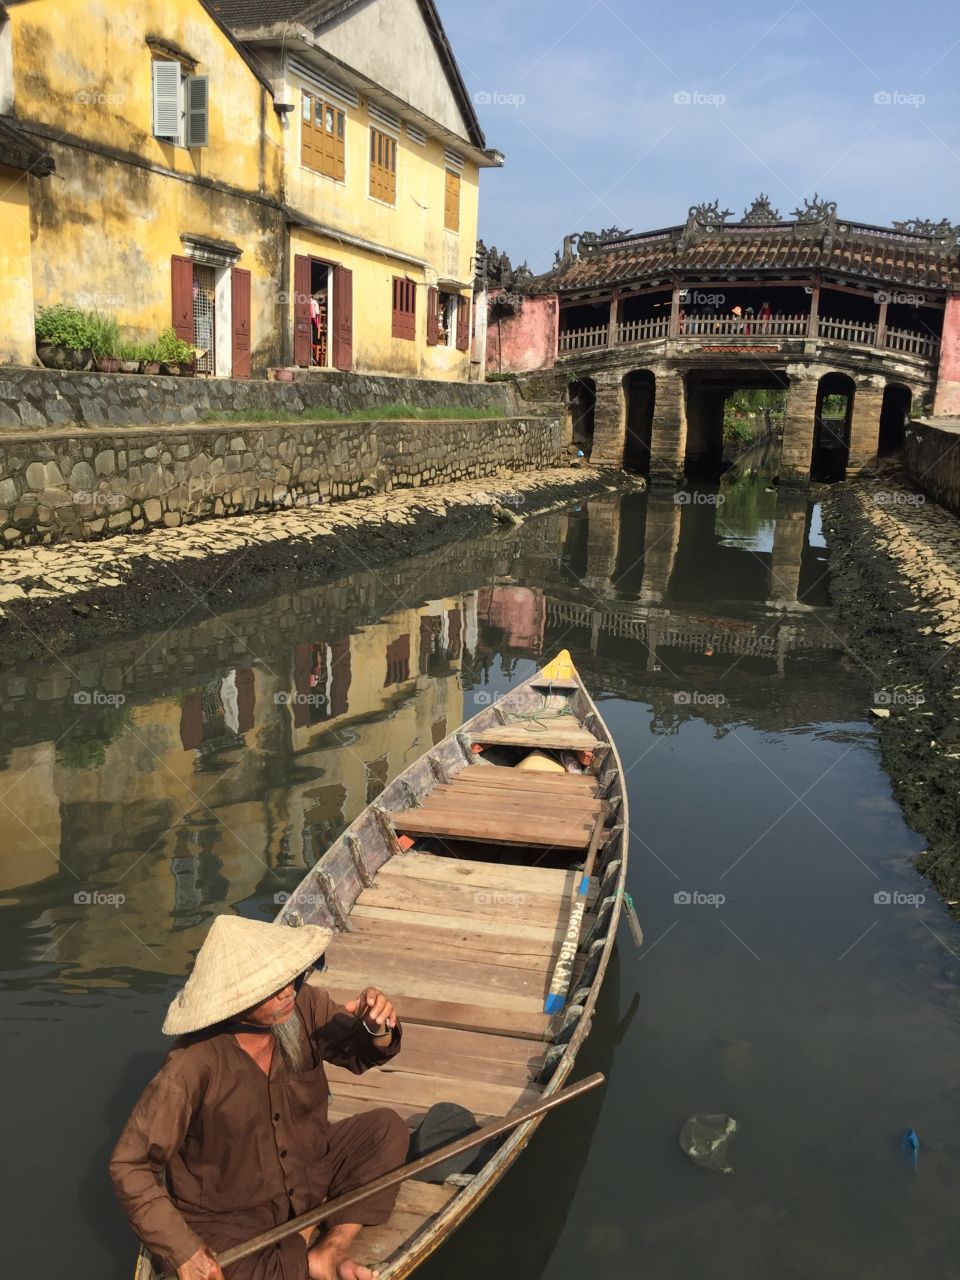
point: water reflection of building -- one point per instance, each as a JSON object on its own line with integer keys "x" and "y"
{"x": 225, "y": 794}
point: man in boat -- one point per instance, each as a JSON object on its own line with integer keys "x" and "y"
{"x": 231, "y": 1137}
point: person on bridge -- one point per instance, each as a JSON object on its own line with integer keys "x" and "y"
{"x": 231, "y": 1137}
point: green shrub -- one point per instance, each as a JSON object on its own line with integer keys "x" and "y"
{"x": 76, "y": 329}
{"x": 103, "y": 334}
{"x": 171, "y": 349}
{"x": 63, "y": 326}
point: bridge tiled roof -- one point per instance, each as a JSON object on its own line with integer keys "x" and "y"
{"x": 852, "y": 250}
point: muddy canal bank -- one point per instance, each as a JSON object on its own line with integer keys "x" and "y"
{"x": 895, "y": 578}
{"x": 77, "y": 595}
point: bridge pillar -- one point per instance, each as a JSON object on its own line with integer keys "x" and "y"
{"x": 668, "y": 431}
{"x": 865, "y": 424}
{"x": 661, "y": 539}
{"x": 799, "y": 426}
{"x": 947, "y": 402}
{"x": 789, "y": 539}
{"x": 603, "y": 544}
{"x": 609, "y": 426}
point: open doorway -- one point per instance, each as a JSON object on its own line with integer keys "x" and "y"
{"x": 894, "y": 415}
{"x": 831, "y": 440}
{"x": 319, "y": 314}
{"x": 639, "y": 392}
{"x": 582, "y": 401}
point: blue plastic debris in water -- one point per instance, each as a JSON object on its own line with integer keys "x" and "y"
{"x": 911, "y": 1145}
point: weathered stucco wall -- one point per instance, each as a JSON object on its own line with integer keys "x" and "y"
{"x": 526, "y": 341}
{"x": 932, "y": 455}
{"x": 947, "y": 403}
{"x": 105, "y": 229}
{"x": 70, "y": 482}
{"x": 16, "y": 315}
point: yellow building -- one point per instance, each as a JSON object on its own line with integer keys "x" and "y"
{"x": 19, "y": 157}
{"x": 279, "y": 193}
{"x": 383, "y": 152}
{"x": 169, "y": 159}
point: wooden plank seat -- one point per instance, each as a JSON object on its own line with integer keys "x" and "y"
{"x": 556, "y": 733}
{"x": 545, "y": 784}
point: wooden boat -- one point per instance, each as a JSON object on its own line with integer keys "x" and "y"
{"x": 464, "y": 930}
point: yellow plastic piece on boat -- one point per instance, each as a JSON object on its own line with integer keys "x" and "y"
{"x": 559, "y": 668}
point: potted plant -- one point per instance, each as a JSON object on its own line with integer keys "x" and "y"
{"x": 130, "y": 354}
{"x": 176, "y": 356}
{"x": 63, "y": 337}
{"x": 149, "y": 357}
{"x": 104, "y": 341}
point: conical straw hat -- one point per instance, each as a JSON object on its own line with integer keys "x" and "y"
{"x": 241, "y": 963}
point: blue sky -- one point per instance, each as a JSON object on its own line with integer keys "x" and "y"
{"x": 616, "y": 113}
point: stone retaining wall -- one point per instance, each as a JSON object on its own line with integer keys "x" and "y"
{"x": 932, "y": 455}
{"x": 36, "y": 399}
{"x": 76, "y": 483}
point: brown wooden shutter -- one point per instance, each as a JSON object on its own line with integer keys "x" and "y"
{"x": 240, "y": 307}
{"x": 433, "y": 317}
{"x": 181, "y": 290}
{"x": 463, "y": 323}
{"x": 343, "y": 318}
{"x": 301, "y": 311}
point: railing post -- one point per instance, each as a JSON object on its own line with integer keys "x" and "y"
{"x": 674, "y": 329}
{"x": 882, "y": 324}
{"x": 813, "y": 320}
{"x": 614, "y": 319}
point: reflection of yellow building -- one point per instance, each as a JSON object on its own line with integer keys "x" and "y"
{"x": 226, "y": 793}
{"x": 278, "y": 192}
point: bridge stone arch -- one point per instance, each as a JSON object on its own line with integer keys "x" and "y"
{"x": 894, "y": 414}
{"x": 833, "y": 426}
{"x": 639, "y": 406}
{"x": 581, "y": 411}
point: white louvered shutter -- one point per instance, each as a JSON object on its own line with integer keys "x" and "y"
{"x": 198, "y": 113}
{"x": 166, "y": 99}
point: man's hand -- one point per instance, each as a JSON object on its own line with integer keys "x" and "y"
{"x": 375, "y": 1009}
{"x": 203, "y": 1265}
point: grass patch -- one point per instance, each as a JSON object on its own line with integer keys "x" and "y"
{"x": 323, "y": 413}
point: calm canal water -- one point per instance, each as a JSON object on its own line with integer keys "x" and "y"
{"x": 790, "y": 976}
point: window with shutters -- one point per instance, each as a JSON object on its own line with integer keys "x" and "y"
{"x": 451, "y": 201}
{"x": 446, "y": 319}
{"x": 404, "y": 308}
{"x": 323, "y": 132}
{"x": 383, "y": 167}
{"x": 181, "y": 105}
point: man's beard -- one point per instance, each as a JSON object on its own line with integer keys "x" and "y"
{"x": 286, "y": 1036}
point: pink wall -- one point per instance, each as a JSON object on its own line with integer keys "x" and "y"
{"x": 525, "y": 341}
{"x": 947, "y": 403}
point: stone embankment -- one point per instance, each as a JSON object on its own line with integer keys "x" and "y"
{"x": 77, "y": 594}
{"x": 895, "y": 576}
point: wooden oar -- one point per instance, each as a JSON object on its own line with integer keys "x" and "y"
{"x": 347, "y": 1201}
{"x": 559, "y": 983}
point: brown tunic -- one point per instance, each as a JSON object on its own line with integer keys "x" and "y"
{"x": 244, "y": 1151}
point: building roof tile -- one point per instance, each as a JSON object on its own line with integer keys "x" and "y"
{"x": 864, "y": 252}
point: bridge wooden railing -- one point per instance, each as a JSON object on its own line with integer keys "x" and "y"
{"x": 860, "y": 332}
{"x": 915, "y": 344}
{"x": 584, "y": 339}
{"x": 643, "y": 330}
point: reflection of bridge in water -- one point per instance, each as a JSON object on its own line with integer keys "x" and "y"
{"x": 773, "y": 637}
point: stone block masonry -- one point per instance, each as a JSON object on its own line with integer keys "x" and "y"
{"x": 932, "y": 457}
{"x": 38, "y": 399}
{"x": 91, "y": 484}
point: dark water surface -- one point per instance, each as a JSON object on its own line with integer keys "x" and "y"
{"x": 209, "y": 767}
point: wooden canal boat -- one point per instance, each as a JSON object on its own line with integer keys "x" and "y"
{"x": 467, "y": 929}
